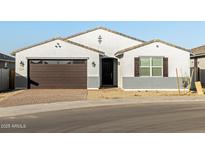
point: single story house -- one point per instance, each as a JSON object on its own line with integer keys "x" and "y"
{"x": 101, "y": 57}
{"x": 7, "y": 61}
{"x": 198, "y": 64}
{"x": 7, "y": 66}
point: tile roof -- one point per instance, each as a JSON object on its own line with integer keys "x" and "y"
{"x": 149, "y": 42}
{"x": 106, "y": 29}
{"x": 199, "y": 50}
{"x": 58, "y": 38}
{"x": 4, "y": 57}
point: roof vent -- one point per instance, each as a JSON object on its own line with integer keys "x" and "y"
{"x": 58, "y": 45}
{"x": 99, "y": 39}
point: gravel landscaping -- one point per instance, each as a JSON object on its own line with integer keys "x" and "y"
{"x": 7, "y": 94}
{"x": 37, "y": 96}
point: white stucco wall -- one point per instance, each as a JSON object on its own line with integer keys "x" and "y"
{"x": 66, "y": 51}
{"x": 111, "y": 43}
{"x": 177, "y": 58}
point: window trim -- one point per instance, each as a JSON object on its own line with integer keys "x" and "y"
{"x": 151, "y": 67}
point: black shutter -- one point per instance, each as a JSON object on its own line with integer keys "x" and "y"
{"x": 165, "y": 67}
{"x": 136, "y": 66}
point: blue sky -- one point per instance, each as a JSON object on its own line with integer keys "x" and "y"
{"x": 14, "y": 35}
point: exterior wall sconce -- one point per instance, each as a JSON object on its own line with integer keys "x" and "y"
{"x": 93, "y": 64}
{"x": 22, "y": 64}
{"x": 99, "y": 39}
{"x": 58, "y": 45}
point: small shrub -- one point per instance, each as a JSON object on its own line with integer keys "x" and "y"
{"x": 185, "y": 82}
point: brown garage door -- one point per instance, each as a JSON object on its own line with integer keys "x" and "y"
{"x": 70, "y": 74}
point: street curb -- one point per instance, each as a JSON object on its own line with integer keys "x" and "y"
{"x": 38, "y": 108}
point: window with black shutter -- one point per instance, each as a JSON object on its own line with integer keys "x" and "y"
{"x": 136, "y": 66}
{"x": 149, "y": 66}
{"x": 165, "y": 67}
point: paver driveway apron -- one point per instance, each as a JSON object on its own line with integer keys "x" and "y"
{"x": 37, "y": 96}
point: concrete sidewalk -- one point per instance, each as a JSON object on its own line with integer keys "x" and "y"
{"x": 37, "y": 108}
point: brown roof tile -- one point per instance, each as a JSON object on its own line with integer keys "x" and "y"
{"x": 106, "y": 29}
{"x": 58, "y": 38}
{"x": 199, "y": 50}
{"x": 146, "y": 43}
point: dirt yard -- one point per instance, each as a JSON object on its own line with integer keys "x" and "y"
{"x": 36, "y": 96}
{"x": 115, "y": 93}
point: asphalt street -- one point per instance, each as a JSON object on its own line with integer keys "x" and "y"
{"x": 136, "y": 118}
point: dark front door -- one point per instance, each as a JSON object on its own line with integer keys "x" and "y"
{"x": 107, "y": 72}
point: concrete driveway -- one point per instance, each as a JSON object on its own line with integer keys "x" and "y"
{"x": 38, "y": 96}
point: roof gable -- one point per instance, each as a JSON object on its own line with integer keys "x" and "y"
{"x": 59, "y": 38}
{"x": 147, "y": 43}
{"x": 105, "y": 40}
{"x": 106, "y": 29}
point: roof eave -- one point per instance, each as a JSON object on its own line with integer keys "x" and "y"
{"x": 83, "y": 46}
{"x": 31, "y": 46}
{"x": 198, "y": 55}
{"x": 58, "y": 38}
{"x": 146, "y": 43}
{"x": 106, "y": 29}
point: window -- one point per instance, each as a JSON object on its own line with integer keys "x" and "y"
{"x": 144, "y": 66}
{"x": 151, "y": 66}
{"x": 36, "y": 61}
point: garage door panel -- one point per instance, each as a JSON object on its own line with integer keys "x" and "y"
{"x": 56, "y": 65}
{"x": 61, "y": 81}
{"x": 57, "y": 69}
{"x": 58, "y": 78}
{"x": 59, "y": 87}
{"x": 76, "y": 85}
{"x": 62, "y": 84}
{"x": 58, "y": 75}
{"x": 68, "y": 67}
{"x": 61, "y": 71}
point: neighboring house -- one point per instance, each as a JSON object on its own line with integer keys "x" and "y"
{"x": 7, "y": 61}
{"x": 198, "y": 64}
{"x": 7, "y": 66}
{"x": 101, "y": 58}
